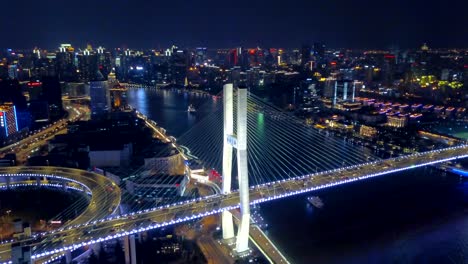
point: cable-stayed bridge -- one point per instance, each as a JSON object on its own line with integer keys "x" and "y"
{"x": 284, "y": 158}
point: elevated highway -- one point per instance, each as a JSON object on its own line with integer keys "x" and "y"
{"x": 105, "y": 194}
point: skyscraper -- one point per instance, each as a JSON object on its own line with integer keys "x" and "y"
{"x": 305, "y": 55}
{"x": 179, "y": 65}
{"x": 52, "y": 94}
{"x": 65, "y": 67}
{"x": 8, "y": 120}
{"x": 200, "y": 56}
{"x": 339, "y": 90}
{"x": 118, "y": 95}
{"x": 13, "y": 71}
{"x": 87, "y": 65}
{"x": 100, "y": 97}
{"x": 104, "y": 60}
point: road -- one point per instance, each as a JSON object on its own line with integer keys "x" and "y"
{"x": 25, "y": 147}
{"x": 263, "y": 243}
{"x": 105, "y": 198}
{"x": 212, "y": 250}
{"x": 106, "y": 229}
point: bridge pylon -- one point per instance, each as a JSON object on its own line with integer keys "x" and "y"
{"x": 227, "y": 221}
{"x": 239, "y": 142}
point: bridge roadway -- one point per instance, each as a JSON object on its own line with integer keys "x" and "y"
{"x": 76, "y": 236}
{"x": 263, "y": 243}
{"x": 105, "y": 194}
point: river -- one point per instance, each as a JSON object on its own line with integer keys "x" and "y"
{"x": 420, "y": 216}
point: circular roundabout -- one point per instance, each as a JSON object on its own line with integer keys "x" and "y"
{"x": 104, "y": 195}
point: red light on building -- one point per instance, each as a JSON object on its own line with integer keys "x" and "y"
{"x": 389, "y": 56}
{"x": 34, "y": 84}
{"x": 333, "y": 63}
{"x": 465, "y": 66}
{"x": 251, "y": 51}
{"x": 233, "y": 56}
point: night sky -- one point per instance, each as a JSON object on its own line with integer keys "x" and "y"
{"x": 248, "y": 23}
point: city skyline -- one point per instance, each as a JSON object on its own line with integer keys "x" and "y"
{"x": 145, "y": 132}
{"x": 362, "y": 24}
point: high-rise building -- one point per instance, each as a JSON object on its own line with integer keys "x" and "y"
{"x": 87, "y": 65}
{"x": 13, "y": 71}
{"x": 104, "y": 60}
{"x": 34, "y": 90}
{"x": 65, "y": 68}
{"x": 339, "y": 90}
{"x": 52, "y": 94}
{"x": 118, "y": 95}
{"x": 112, "y": 79}
{"x": 179, "y": 65}
{"x": 305, "y": 55}
{"x": 8, "y": 120}
{"x": 100, "y": 97}
{"x": 200, "y": 56}
{"x": 233, "y": 57}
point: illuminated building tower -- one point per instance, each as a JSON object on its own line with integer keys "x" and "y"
{"x": 339, "y": 90}
{"x": 118, "y": 96}
{"x": 388, "y": 68}
{"x": 65, "y": 67}
{"x": 37, "y": 106}
{"x": 200, "y": 56}
{"x": 179, "y": 65}
{"x": 104, "y": 60}
{"x": 13, "y": 71}
{"x": 424, "y": 47}
{"x": 124, "y": 64}
{"x": 8, "y": 120}
{"x": 34, "y": 90}
{"x": 251, "y": 58}
{"x": 100, "y": 96}
{"x": 87, "y": 65}
{"x": 233, "y": 57}
{"x": 37, "y": 53}
{"x": 112, "y": 79}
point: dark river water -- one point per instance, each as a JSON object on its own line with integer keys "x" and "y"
{"x": 418, "y": 216}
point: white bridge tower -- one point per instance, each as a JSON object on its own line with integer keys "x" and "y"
{"x": 239, "y": 142}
